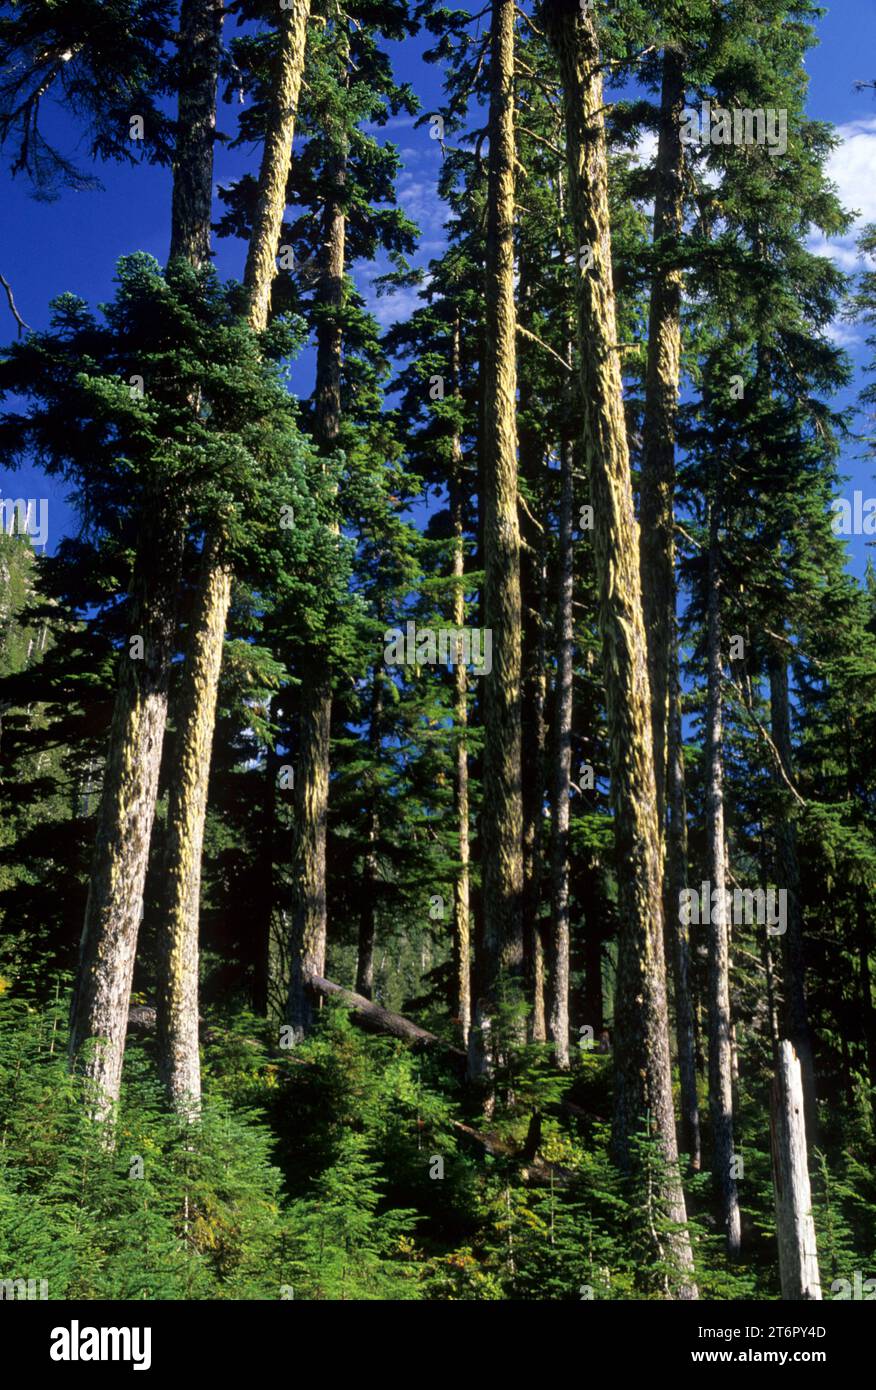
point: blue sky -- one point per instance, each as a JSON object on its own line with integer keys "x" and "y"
{"x": 74, "y": 242}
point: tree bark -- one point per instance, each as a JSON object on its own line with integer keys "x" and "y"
{"x": 370, "y": 867}
{"x": 677, "y": 931}
{"x": 114, "y": 909}
{"x": 796, "y": 1025}
{"x": 533, "y": 581}
{"x": 657, "y": 496}
{"x": 200, "y": 28}
{"x": 130, "y": 788}
{"x": 187, "y": 807}
{"x": 502, "y": 814}
{"x": 559, "y": 954}
{"x": 461, "y": 908}
{"x": 178, "y": 1056}
{"x": 276, "y": 154}
{"x": 720, "y": 1042}
{"x": 643, "y": 1089}
{"x": 795, "y": 1228}
{"x": 309, "y": 921}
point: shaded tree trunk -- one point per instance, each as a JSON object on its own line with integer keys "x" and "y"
{"x": 796, "y": 1025}
{"x": 720, "y": 1039}
{"x": 309, "y": 920}
{"x": 677, "y": 933}
{"x": 562, "y": 773}
{"x": 643, "y": 1089}
{"x": 114, "y": 908}
{"x": 370, "y": 868}
{"x": 502, "y": 815}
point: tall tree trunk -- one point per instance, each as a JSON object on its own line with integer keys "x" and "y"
{"x": 796, "y": 1013}
{"x": 370, "y": 868}
{"x": 643, "y": 1087}
{"x": 177, "y": 1002}
{"x": 657, "y": 512}
{"x": 99, "y": 1012}
{"x": 533, "y": 591}
{"x": 200, "y": 679}
{"x": 461, "y": 909}
{"x": 502, "y": 814}
{"x": 562, "y": 751}
{"x": 720, "y": 1041}
{"x": 309, "y": 920}
{"x": 868, "y": 1012}
{"x": 677, "y": 932}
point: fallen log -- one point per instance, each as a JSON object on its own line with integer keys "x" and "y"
{"x": 376, "y": 1019}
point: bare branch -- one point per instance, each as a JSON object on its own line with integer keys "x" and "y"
{"x": 22, "y": 326}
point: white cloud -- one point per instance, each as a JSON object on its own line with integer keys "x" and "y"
{"x": 852, "y": 167}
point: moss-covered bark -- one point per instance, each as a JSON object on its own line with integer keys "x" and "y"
{"x": 657, "y": 480}
{"x": 562, "y": 772}
{"x": 177, "y": 1011}
{"x": 461, "y": 905}
{"x": 130, "y": 789}
{"x": 187, "y": 809}
{"x": 502, "y": 812}
{"x": 643, "y": 1091}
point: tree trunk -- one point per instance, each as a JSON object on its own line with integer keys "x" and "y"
{"x": 200, "y": 28}
{"x": 186, "y": 812}
{"x": 276, "y": 154}
{"x": 656, "y": 510}
{"x": 370, "y": 868}
{"x": 795, "y": 1228}
{"x": 130, "y": 787}
{"x": 533, "y": 584}
{"x": 461, "y": 911}
{"x": 559, "y": 954}
{"x": 309, "y": 921}
{"x": 114, "y": 909}
{"x": 200, "y": 678}
{"x": 643, "y": 1088}
{"x": 502, "y": 814}
{"x": 720, "y": 1043}
{"x": 796, "y": 1013}
{"x": 868, "y": 1013}
{"x": 678, "y": 938}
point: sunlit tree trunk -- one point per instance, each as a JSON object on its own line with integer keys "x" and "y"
{"x": 99, "y": 1013}
{"x": 461, "y": 905}
{"x": 187, "y": 807}
{"x": 562, "y": 773}
{"x": 643, "y": 1089}
{"x": 656, "y": 506}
